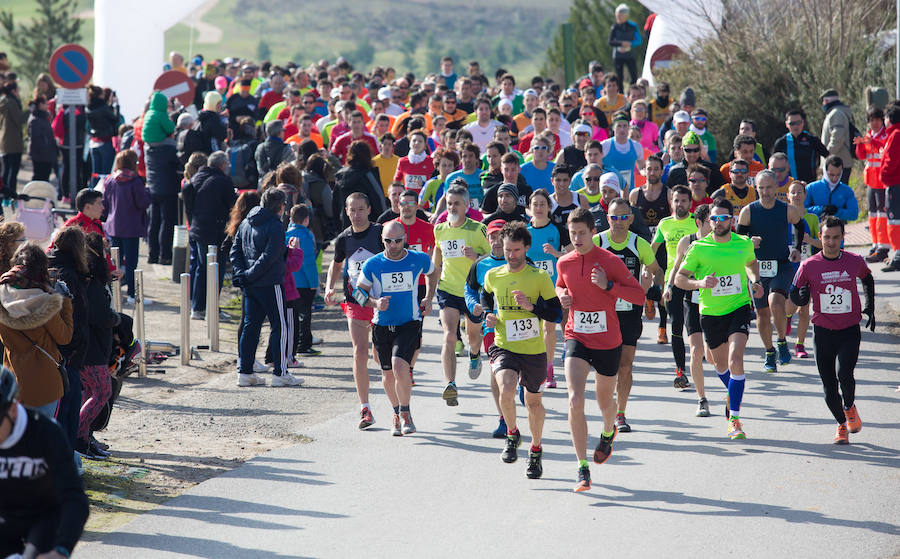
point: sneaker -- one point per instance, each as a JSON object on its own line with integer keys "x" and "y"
{"x": 650, "y": 309}
{"x": 97, "y": 451}
{"x": 621, "y": 425}
{"x": 287, "y": 379}
{"x": 842, "y": 436}
{"x": 310, "y": 352}
{"x": 510, "y": 453}
{"x": 703, "y": 408}
{"x": 250, "y": 380}
{"x": 395, "y": 426}
{"x": 408, "y": 426}
{"x": 894, "y": 266}
{"x": 551, "y": 379}
{"x": 317, "y": 341}
{"x": 800, "y": 351}
{"x": 98, "y": 444}
{"x": 129, "y": 300}
{"x": 198, "y": 315}
{"x": 450, "y": 394}
{"x": 853, "y": 420}
{"x": 735, "y": 430}
{"x": 662, "y": 338}
{"x": 366, "y": 419}
{"x": 535, "y": 469}
{"x": 877, "y": 256}
{"x": 224, "y": 316}
{"x": 681, "y": 382}
{"x": 584, "y": 480}
{"x": 604, "y": 447}
{"x": 769, "y": 365}
{"x": 500, "y": 431}
{"x": 259, "y": 367}
{"x": 133, "y": 351}
{"x": 459, "y": 348}
{"x": 474, "y": 366}
{"x": 784, "y": 354}
{"x": 294, "y": 364}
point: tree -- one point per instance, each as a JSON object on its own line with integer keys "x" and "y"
{"x": 591, "y": 21}
{"x": 765, "y": 57}
{"x": 263, "y": 51}
{"x": 32, "y": 43}
{"x": 364, "y": 53}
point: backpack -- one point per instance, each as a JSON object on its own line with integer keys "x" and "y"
{"x": 190, "y": 141}
{"x": 243, "y": 165}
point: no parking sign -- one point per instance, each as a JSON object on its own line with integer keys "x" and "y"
{"x": 71, "y": 66}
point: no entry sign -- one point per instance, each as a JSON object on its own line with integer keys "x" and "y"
{"x": 71, "y": 66}
{"x": 176, "y": 84}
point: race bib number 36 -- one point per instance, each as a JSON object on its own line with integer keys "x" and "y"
{"x": 522, "y": 329}
{"x": 837, "y": 302}
{"x": 394, "y": 282}
{"x": 727, "y": 285}
{"x": 768, "y": 268}
{"x": 453, "y": 248}
{"x": 590, "y": 322}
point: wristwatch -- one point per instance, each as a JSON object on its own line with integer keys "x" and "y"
{"x": 609, "y": 285}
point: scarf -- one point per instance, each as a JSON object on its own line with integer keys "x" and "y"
{"x": 416, "y": 159}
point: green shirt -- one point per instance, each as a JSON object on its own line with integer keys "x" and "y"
{"x": 727, "y": 261}
{"x": 669, "y": 231}
{"x": 644, "y": 252}
{"x": 455, "y": 265}
{"x": 518, "y": 330}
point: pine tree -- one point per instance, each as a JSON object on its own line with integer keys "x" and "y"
{"x": 263, "y": 51}
{"x": 32, "y": 43}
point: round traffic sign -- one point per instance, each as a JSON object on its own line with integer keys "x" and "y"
{"x": 176, "y": 84}
{"x": 71, "y": 66}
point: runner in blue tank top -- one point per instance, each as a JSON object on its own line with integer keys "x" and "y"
{"x": 621, "y": 154}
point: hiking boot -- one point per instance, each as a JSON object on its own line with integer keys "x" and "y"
{"x": 510, "y": 452}
{"x": 450, "y": 394}
{"x": 535, "y": 469}
{"x": 784, "y": 354}
{"x": 853, "y": 420}
{"x": 604, "y": 447}
{"x": 366, "y": 419}
{"x": 395, "y": 426}
{"x": 703, "y": 408}
{"x": 877, "y": 256}
{"x": 769, "y": 365}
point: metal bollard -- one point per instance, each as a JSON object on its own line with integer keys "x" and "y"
{"x": 212, "y": 304}
{"x": 139, "y": 320}
{"x": 212, "y": 253}
{"x": 181, "y": 253}
{"x": 116, "y": 284}
{"x": 185, "y": 319}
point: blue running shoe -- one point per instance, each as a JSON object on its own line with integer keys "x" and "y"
{"x": 784, "y": 354}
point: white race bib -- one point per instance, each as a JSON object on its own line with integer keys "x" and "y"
{"x": 727, "y": 285}
{"x": 589, "y": 322}
{"x": 805, "y": 252}
{"x": 396, "y": 282}
{"x": 415, "y": 182}
{"x": 453, "y": 248}
{"x": 355, "y": 263}
{"x": 622, "y": 305}
{"x": 521, "y": 329}
{"x": 546, "y": 265}
{"x": 768, "y": 268}
{"x": 626, "y": 180}
{"x": 837, "y": 302}
{"x": 695, "y": 296}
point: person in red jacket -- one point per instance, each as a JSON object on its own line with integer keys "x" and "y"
{"x": 416, "y": 168}
{"x": 868, "y": 148}
{"x": 890, "y": 178}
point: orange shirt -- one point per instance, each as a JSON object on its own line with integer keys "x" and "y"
{"x": 755, "y": 167}
{"x": 610, "y": 108}
{"x": 314, "y": 136}
{"x": 395, "y": 128}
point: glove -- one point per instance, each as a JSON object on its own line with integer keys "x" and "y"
{"x": 829, "y": 209}
{"x": 63, "y": 289}
{"x": 237, "y": 280}
{"x": 654, "y": 293}
{"x": 870, "y": 322}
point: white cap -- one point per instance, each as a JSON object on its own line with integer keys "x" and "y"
{"x": 586, "y": 128}
{"x": 622, "y": 8}
{"x": 681, "y": 116}
{"x": 384, "y": 92}
{"x": 610, "y": 180}
{"x": 504, "y": 102}
{"x": 530, "y": 92}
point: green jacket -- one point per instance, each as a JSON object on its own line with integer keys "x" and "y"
{"x": 157, "y": 124}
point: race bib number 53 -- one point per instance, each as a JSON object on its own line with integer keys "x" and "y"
{"x": 590, "y": 322}
{"x": 394, "y": 282}
{"x": 522, "y": 329}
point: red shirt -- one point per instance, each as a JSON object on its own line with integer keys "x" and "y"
{"x": 704, "y": 200}
{"x": 414, "y": 175}
{"x": 832, "y": 288}
{"x": 419, "y": 236}
{"x": 270, "y": 98}
{"x": 89, "y": 226}
{"x": 890, "y": 158}
{"x": 594, "y": 308}
{"x": 525, "y": 142}
{"x": 342, "y": 144}
{"x": 871, "y": 154}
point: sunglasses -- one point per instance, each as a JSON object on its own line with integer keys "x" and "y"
{"x": 540, "y": 148}
{"x": 795, "y": 123}
{"x": 696, "y": 180}
{"x": 619, "y": 217}
{"x": 409, "y": 203}
{"x": 779, "y": 169}
{"x": 700, "y": 118}
{"x": 719, "y": 218}
{"x": 691, "y": 150}
{"x": 399, "y": 241}
{"x": 740, "y": 171}
{"x": 591, "y": 179}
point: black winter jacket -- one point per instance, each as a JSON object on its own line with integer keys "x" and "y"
{"x": 208, "y": 199}
{"x": 258, "y": 255}
{"x": 162, "y": 168}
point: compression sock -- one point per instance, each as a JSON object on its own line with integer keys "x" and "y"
{"x": 535, "y": 448}
{"x": 396, "y": 410}
{"x": 735, "y": 393}
{"x": 583, "y": 464}
{"x": 678, "y": 350}
{"x": 663, "y": 315}
{"x": 609, "y": 434}
{"x": 404, "y": 409}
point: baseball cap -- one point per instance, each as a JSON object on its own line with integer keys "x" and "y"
{"x": 495, "y": 225}
{"x": 384, "y": 93}
{"x": 530, "y": 92}
{"x": 610, "y": 180}
{"x": 681, "y": 116}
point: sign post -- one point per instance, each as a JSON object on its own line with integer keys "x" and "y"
{"x": 71, "y": 67}
{"x": 176, "y": 84}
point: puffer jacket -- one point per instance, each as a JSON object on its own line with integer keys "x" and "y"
{"x": 46, "y": 318}
{"x": 101, "y": 321}
{"x": 41, "y": 143}
{"x": 102, "y": 119}
{"x": 272, "y": 153}
{"x": 76, "y": 348}
{"x": 157, "y": 124}
{"x": 208, "y": 199}
{"x": 258, "y": 253}
{"x": 213, "y": 131}
{"x": 12, "y": 121}
{"x": 162, "y": 168}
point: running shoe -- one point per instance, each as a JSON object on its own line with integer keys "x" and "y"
{"x": 662, "y": 338}
{"x": 311, "y": 352}
{"x": 366, "y": 419}
{"x": 395, "y": 426}
{"x": 621, "y": 425}
{"x": 650, "y": 309}
{"x": 853, "y": 420}
{"x": 406, "y": 420}
{"x": 551, "y": 379}
{"x": 681, "y": 381}
{"x": 877, "y": 256}
{"x": 287, "y": 379}
{"x": 703, "y": 408}
{"x": 459, "y": 348}
{"x": 769, "y": 366}
{"x": 842, "y": 436}
{"x": 604, "y": 447}
{"x": 784, "y": 354}
{"x": 294, "y": 364}
{"x": 800, "y": 351}
{"x": 474, "y": 366}
{"x": 535, "y": 469}
{"x": 500, "y": 431}
{"x": 250, "y": 379}
{"x": 259, "y": 367}
{"x": 735, "y": 430}
{"x": 510, "y": 452}
{"x": 584, "y": 480}
{"x": 450, "y": 394}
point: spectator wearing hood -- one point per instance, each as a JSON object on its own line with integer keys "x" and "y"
{"x": 837, "y": 134}
{"x": 157, "y": 126}
{"x": 125, "y": 202}
{"x": 211, "y": 124}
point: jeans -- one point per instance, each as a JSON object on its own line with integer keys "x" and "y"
{"x": 198, "y": 273}
{"x": 42, "y": 170}
{"x": 70, "y": 406}
{"x": 163, "y": 217}
{"x": 11, "y": 164}
{"x": 261, "y": 303}
{"x": 102, "y": 158}
{"x": 129, "y": 248}
{"x": 49, "y": 410}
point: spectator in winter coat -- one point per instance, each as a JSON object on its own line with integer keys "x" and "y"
{"x": 273, "y": 152}
{"x": 830, "y": 195}
{"x": 162, "y": 180}
{"x": 890, "y": 178}
{"x": 836, "y": 130}
{"x": 211, "y": 124}
{"x": 208, "y": 199}
{"x": 802, "y": 148}
{"x": 157, "y": 125}
{"x": 624, "y": 35}
{"x": 12, "y": 120}
{"x": 306, "y": 279}
{"x": 359, "y": 176}
{"x": 103, "y": 122}
{"x": 125, "y": 201}
{"x": 41, "y": 143}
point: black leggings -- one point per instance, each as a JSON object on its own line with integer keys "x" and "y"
{"x": 676, "y": 311}
{"x": 842, "y": 347}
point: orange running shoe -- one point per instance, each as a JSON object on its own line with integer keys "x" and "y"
{"x": 841, "y": 437}
{"x": 853, "y": 420}
{"x": 662, "y": 339}
{"x": 650, "y": 309}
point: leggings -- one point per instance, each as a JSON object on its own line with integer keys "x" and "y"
{"x": 676, "y": 311}
{"x": 96, "y": 389}
{"x": 839, "y": 347}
